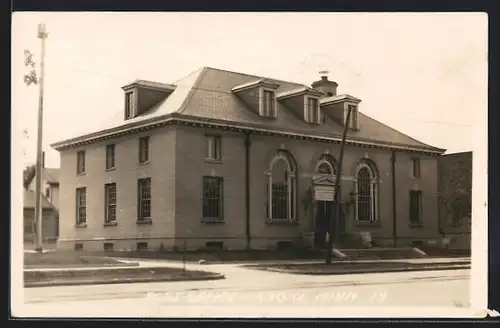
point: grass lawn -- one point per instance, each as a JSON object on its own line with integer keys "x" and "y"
{"x": 37, "y": 278}
{"x": 442, "y": 252}
{"x": 216, "y": 256}
{"x": 64, "y": 259}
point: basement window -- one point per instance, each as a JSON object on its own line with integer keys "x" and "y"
{"x": 142, "y": 246}
{"x": 284, "y": 245}
{"x": 214, "y": 245}
{"x": 78, "y": 247}
{"x": 108, "y": 247}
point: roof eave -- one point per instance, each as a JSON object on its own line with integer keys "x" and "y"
{"x": 338, "y": 101}
{"x": 174, "y": 117}
{"x": 167, "y": 88}
{"x": 123, "y": 129}
{"x": 300, "y": 92}
{"x": 254, "y": 84}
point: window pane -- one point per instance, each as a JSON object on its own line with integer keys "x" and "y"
{"x": 209, "y": 147}
{"x": 144, "y": 198}
{"x": 144, "y": 149}
{"x": 364, "y": 198}
{"x": 212, "y": 198}
{"x": 81, "y": 205}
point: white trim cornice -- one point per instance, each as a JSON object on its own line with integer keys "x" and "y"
{"x": 219, "y": 124}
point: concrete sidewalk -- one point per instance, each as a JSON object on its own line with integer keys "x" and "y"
{"x": 145, "y": 262}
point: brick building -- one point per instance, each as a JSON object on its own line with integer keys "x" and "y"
{"x": 233, "y": 160}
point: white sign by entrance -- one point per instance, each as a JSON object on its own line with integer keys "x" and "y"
{"x": 324, "y": 193}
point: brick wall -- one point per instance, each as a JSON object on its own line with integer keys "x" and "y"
{"x": 191, "y": 167}
{"x": 177, "y": 167}
{"x": 127, "y": 232}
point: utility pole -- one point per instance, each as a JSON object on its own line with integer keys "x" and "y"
{"x": 42, "y": 35}
{"x": 334, "y": 219}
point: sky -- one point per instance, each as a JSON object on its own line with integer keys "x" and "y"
{"x": 424, "y": 74}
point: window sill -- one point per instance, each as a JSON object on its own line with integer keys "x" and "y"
{"x": 81, "y": 174}
{"x": 416, "y": 225}
{"x": 110, "y": 169}
{"x": 148, "y": 221}
{"x": 416, "y": 178}
{"x": 368, "y": 224}
{"x": 110, "y": 224}
{"x": 213, "y": 161}
{"x": 144, "y": 163}
{"x": 282, "y": 221}
{"x": 81, "y": 225}
{"x": 213, "y": 221}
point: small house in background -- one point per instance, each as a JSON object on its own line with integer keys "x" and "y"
{"x": 50, "y": 184}
{"x": 49, "y": 219}
{"x": 455, "y": 198}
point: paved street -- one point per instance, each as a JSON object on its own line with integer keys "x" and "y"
{"x": 248, "y": 292}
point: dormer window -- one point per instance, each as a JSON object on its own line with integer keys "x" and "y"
{"x": 129, "y": 105}
{"x": 259, "y": 95}
{"x": 141, "y": 96}
{"x": 269, "y": 104}
{"x": 312, "y": 111}
{"x": 353, "y": 119}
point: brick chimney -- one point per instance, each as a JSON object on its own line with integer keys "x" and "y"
{"x": 326, "y": 87}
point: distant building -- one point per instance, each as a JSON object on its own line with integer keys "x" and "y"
{"x": 49, "y": 218}
{"x": 455, "y": 198}
{"x": 50, "y": 184}
{"x": 231, "y": 160}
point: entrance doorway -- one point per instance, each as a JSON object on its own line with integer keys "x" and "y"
{"x": 323, "y": 215}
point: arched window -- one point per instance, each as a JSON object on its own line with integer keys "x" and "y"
{"x": 366, "y": 192}
{"x": 281, "y": 187}
{"x": 326, "y": 165}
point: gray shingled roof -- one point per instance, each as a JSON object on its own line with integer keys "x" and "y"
{"x": 51, "y": 175}
{"x": 29, "y": 200}
{"x": 206, "y": 94}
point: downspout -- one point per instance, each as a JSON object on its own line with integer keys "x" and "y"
{"x": 248, "y": 143}
{"x": 394, "y": 219}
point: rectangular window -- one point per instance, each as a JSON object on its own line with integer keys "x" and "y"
{"x": 129, "y": 105}
{"x": 415, "y": 167}
{"x": 81, "y": 205}
{"x": 269, "y": 109}
{"x": 415, "y": 207}
{"x": 80, "y": 162}
{"x": 110, "y": 157}
{"x": 213, "y": 148}
{"x": 144, "y": 199}
{"x": 110, "y": 202}
{"x": 213, "y": 198}
{"x": 353, "y": 119}
{"x": 312, "y": 114}
{"x": 47, "y": 192}
{"x": 143, "y": 150}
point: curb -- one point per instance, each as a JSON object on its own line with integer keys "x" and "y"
{"x": 77, "y": 282}
{"x": 81, "y": 266}
{"x": 385, "y": 270}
